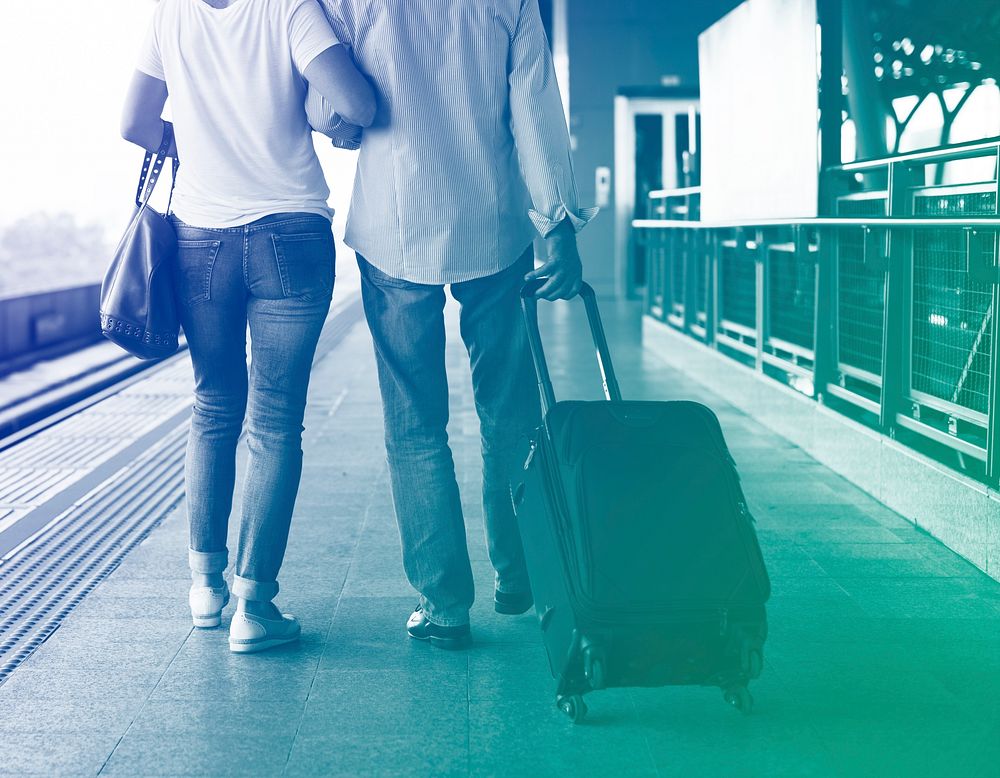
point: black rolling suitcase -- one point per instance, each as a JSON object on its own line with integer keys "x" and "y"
{"x": 641, "y": 552}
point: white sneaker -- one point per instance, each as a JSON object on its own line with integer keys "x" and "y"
{"x": 249, "y": 633}
{"x": 207, "y": 603}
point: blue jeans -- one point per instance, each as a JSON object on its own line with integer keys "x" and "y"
{"x": 407, "y": 324}
{"x": 276, "y": 275}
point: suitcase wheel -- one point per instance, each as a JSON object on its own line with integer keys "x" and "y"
{"x": 573, "y": 706}
{"x": 740, "y": 698}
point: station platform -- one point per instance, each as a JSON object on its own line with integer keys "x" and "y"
{"x": 883, "y": 657}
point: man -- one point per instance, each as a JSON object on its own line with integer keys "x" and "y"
{"x": 467, "y": 162}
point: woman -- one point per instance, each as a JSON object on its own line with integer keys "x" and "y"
{"x": 255, "y": 248}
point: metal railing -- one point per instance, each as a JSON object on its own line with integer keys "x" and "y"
{"x": 884, "y": 309}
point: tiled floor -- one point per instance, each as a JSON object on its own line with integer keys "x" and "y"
{"x": 883, "y": 657}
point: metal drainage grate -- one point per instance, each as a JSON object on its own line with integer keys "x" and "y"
{"x": 51, "y": 573}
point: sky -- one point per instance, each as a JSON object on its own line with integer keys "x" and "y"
{"x": 64, "y": 69}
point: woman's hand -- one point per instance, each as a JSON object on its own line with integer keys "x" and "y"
{"x": 334, "y": 76}
{"x": 141, "y": 122}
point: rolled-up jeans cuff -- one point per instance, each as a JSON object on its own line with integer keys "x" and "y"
{"x": 259, "y": 591}
{"x": 440, "y": 621}
{"x": 443, "y": 620}
{"x": 207, "y": 562}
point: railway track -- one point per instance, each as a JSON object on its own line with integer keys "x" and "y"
{"x": 67, "y": 392}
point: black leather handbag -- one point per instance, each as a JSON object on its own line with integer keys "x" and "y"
{"x": 138, "y": 306}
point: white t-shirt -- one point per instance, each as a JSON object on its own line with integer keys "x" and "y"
{"x": 237, "y": 94}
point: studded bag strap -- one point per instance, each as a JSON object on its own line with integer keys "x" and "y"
{"x": 151, "y": 169}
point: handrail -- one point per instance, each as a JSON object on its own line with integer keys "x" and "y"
{"x": 681, "y": 191}
{"x": 876, "y": 222}
{"x": 940, "y": 153}
{"x": 953, "y": 151}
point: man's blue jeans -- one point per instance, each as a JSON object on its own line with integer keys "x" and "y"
{"x": 407, "y": 324}
{"x": 275, "y": 275}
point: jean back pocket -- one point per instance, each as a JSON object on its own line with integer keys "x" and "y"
{"x": 305, "y": 263}
{"x": 195, "y": 261}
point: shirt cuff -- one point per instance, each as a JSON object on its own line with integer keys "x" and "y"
{"x": 344, "y": 134}
{"x": 579, "y": 219}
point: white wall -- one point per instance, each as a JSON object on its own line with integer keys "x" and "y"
{"x": 760, "y": 64}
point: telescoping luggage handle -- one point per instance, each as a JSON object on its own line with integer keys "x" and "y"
{"x": 529, "y": 306}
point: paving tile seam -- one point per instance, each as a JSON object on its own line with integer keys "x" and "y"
{"x": 107, "y": 558}
{"x": 133, "y": 719}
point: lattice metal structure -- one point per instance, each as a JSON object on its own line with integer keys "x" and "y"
{"x": 922, "y": 51}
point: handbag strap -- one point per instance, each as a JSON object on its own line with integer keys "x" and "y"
{"x": 150, "y": 173}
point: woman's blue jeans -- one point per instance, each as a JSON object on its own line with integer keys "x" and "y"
{"x": 276, "y": 276}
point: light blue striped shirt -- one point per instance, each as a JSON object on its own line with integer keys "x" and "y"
{"x": 468, "y": 159}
